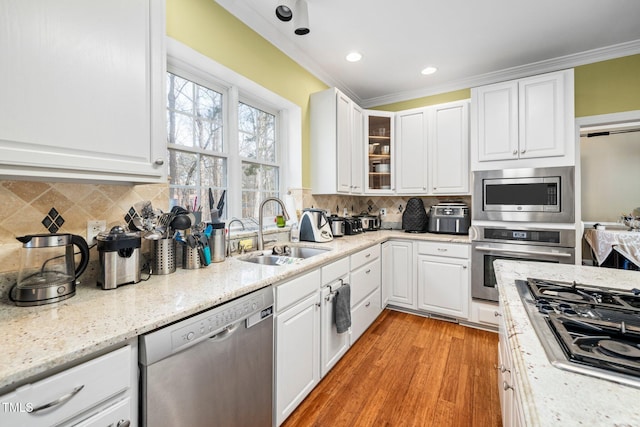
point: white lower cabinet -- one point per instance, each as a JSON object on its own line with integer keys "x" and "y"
{"x": 297, "y": 349}
{"x": 398, "y": 274}
{"x": 365, "y": 290}
{"x": 332, "y": 344}
{"x": 102, "y": 391}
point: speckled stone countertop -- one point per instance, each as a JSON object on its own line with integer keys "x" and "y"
{"x": 37, "y": 339}
{"x": 551, "y": 396}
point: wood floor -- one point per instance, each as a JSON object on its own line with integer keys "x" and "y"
{"x": 408, "y": 370}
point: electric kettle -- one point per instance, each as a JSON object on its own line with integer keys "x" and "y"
{"x": 47, "y": 268}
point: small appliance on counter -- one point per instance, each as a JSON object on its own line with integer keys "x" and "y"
{"x": 119, "y": 253}
{"x": 352, "y": 226}
{"x": 449, "y": 218}
{"x": 369, "y": 222}
{"x": 314, "y": 226}
{"x": 47, "y": 268}
{"x": 337, "y": 225}
{"x": 414, "y": 217}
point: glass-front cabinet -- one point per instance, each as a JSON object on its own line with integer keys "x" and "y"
{"x": 379, "y": 153}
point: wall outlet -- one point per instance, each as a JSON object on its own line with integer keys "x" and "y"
{"x": 93, "y": 228}
{"x": 383, "y": 211}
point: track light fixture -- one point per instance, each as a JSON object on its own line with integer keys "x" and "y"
{"x": 301, "y": 18}
{"x": 286, "y": 10}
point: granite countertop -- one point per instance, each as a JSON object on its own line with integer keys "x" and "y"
{"x": 41, "y": 338}
{"x": 551, "y": 396}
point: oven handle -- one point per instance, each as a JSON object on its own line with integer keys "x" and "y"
{"x": 553, "y": 254}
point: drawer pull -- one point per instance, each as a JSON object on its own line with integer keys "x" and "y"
{"x": 496, "y": 314}
{"x": 506, "y": 386}
{"x": 59, "y": 400}
{"x": 368, "y": 271}
{"x": 442, "y": 249}
{"x": 368, "y": 304}
{"x": 367, "y": 255}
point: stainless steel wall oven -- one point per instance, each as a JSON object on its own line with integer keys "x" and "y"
{"x": 514, "y": 243}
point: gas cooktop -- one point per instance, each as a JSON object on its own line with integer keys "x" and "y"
{"x": 586, "y": 329}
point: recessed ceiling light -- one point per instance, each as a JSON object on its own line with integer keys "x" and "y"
{"x": 429, "y": 70}
{"x": 354, "y": 57}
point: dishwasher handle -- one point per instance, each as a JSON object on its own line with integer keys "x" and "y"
{"x": 516, "y": 251}
{"x": 225, "y": 333}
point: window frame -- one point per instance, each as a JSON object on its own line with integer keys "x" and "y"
{"x": 189, "y": 64}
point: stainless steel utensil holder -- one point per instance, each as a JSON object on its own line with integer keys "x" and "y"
{"x": 217, "y": 245}
{"x": 164, "y": 256}
{"x": 190, "y": 258}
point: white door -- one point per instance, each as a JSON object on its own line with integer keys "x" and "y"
{"x": 497, "y": 121}
{"x": 443, "y": 286}
{"x": 398, "y": 267}
{"x": 541, "y": 110}
{"x": 333, "y": 345}
{"x": 297, "y": 355}
{"x": 343, "y": 143}
{"x": 449, "y": 142}
{"x": 411, "y": 164}
{"x": 357, "y": 150}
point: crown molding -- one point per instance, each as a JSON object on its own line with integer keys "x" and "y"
{"x": 546, "y": 66}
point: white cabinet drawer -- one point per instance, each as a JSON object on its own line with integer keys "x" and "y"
{"x": 364, "y": 281}
{"x": 296, "y": 289}
{"x": 335, "y": 270}
{"x": 110, "y": 416}
{"x": 364, "y": 256}
{"x": 76, "y": 389}
{"x": 363, "y": 315}
{"x": 453, "y": 250}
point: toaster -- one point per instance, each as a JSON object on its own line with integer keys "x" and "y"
{"x": 352, "y": 226}
{"x": 449, "y": 218}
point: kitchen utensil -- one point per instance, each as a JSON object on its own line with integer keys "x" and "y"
{"x": 217, "y": 242}
{"x": 181, "y": 222}
{"x": 119, "y": 254}
{"x": 48, "y": 271}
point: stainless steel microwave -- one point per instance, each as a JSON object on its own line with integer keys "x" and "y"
{"x": 530, "y": 195}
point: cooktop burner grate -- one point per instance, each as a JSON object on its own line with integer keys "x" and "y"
{"x": 585, "y": 329}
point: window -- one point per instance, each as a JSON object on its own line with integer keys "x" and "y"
{"x": 226, "y": 132}
{"x": 200, "y": 158}
{"x": 258, "y": 154}
{"x": 195, "y": 140}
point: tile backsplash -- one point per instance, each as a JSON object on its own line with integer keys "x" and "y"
{"x": 34, "y": 207}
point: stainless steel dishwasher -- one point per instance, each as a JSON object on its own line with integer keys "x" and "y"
{"x": 212, "y": 369}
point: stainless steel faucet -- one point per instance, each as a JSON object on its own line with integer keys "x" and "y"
{"x": 261, "y": 219}
{"x": 229, "y": 251}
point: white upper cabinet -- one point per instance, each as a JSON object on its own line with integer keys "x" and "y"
{"x": 82, "y": 86}
{"x": 449, "y": 143}
{"x": 433, "y": 149}
{"x": 336, "y": 144}
{"x": 517, "y": 123}
{"x": 380, "y": 152}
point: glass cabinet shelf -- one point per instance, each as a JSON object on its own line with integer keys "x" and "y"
{"x": 379, "y": 154}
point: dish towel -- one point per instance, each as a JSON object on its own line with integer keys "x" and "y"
{"x": 342, "y": 308}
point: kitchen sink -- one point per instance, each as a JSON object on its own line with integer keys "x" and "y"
{"x": 289, "y": 255}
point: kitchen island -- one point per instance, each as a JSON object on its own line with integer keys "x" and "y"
{"x": 548, "y": 395}
{"x": 39, "y": 339}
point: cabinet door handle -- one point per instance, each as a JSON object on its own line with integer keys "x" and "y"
{"x": 496, "y": 314}
{"x": 159, "y": 162}
{"x": 524, "y": 150}
{"x": 368, "y": 271}
{"x": 367, "y": 255}
{"x": 506, "y": 386}
{"x": 368, "y": 304}
{"x": 59, "y": 400}
{"x": 501, "y": 368}
{"x": 515, "y": 152}
{"x": 464, "y": 266}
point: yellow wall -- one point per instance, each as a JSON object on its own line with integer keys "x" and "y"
{"x": 608, "y": 87}
{"x": 208, "y": 28}
{"x": 600, "y": 88}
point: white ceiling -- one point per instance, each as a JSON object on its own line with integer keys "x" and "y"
{"x": 471, "y": 42}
